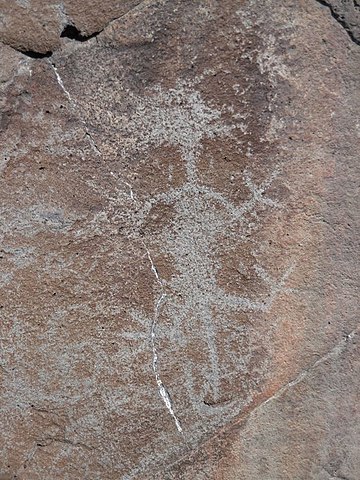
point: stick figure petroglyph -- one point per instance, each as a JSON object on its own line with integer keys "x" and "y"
{"x": 179, "y": 117}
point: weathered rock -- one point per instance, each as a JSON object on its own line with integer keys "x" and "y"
{"x": 299, "y": 433}
{"x": 36, "y": 27}
{"x": 179, "y": 242}
{"x": 347, "y": 13}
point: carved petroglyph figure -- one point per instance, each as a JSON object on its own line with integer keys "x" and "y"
{"x": 192, "y": 302}
{"x": 179, "y": 117}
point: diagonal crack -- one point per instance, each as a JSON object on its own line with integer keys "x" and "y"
{"x": 347, "y": 14}
{"x": 74, "y": 106}
{"x": 162, "y": 389}
{"x": 45, "y": 441}
{"x": 334, "y": 475}
{"x": 334, "y": 352}
{"x": 72, "y": 32}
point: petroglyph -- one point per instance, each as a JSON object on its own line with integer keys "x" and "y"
{"x": 159, "y": 182}
{"x": 181, "y": 118}
{"x": 191, "y": 303}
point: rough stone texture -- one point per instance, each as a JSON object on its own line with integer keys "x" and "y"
{"x": 300, "y": 433}
{"x": 347, "y": 13}
{"x": 36, "y": 26}
{"x": 179, "y": 248}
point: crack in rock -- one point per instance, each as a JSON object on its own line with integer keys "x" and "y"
{"x": 44, "y": 442}
{"x": 347, "y": 14}
{"x": 74, "y": 107}
{"x": 336, "y": 351}
{"x": 71, "y": 32}
{"x": 162, "y": 389}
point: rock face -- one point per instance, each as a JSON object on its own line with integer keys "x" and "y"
{"x": 179, "y": 248}
{"x": 347, "y": 13}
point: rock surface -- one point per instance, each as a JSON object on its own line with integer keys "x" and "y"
{"x": 179, "y": 247}
{"x": 347, "y": 13}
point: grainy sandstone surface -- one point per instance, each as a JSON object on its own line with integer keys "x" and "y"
{"x": 179, "y": 240}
